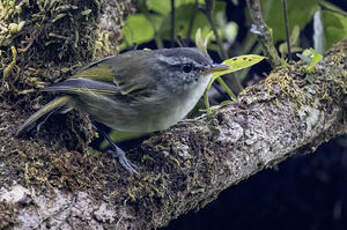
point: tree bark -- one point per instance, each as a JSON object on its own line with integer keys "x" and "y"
{"x": 47, "y": 180}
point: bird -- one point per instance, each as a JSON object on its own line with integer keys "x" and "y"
{"x": 136, "y": 91}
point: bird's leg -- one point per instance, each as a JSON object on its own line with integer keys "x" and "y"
{"x": 38, "y": 127}
{"x": 120, "y": 154}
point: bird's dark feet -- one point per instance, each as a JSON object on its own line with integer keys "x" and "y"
{"x": 120, "y": 154}
{"x": 123, "y": 160}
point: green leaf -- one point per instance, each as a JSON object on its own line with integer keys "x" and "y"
{"x": 331, "y": 7}
{"x": 311, "y": 57}
{"x": 183, "y": 17}
{"x": 238, "y": 63}
{"x": 316, "y": 57}
{"x": 294, "y": 42}
{"x": 228, "y": 29}
{"x": 137, "y": 30}
{"x": 300, "y": 12}
{"x": 164, "y": 6}
{"x": 155, "y": 22}
{"x": 159, "y": 6}
{"x": 225, "y": 102}
{"x": 231, "y": 30}
{"x": 335, "y": 28}
{"x": 200, "y": 42}
{"x": 235, "y": 64}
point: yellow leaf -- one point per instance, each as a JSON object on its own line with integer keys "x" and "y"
{"x": 235, "y": 64}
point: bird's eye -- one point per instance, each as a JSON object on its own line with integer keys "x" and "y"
{"x": 187, "y": 68}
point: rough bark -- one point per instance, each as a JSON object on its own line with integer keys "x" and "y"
{"x": 48, "y": 181}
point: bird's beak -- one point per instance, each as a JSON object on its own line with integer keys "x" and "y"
{"x": 216, "y": 68}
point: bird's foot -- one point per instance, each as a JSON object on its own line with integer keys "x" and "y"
{"x": 120, "y": 154}
{"x": 123, "y": 160}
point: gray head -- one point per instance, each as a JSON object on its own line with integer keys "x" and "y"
{"x": 181, "y": 68}
{"x": 175, "y": 70}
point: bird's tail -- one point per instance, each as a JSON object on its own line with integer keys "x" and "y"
{"x": 50, "y": 107}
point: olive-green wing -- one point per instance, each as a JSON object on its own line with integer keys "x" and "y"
{"x": 100, "y": 70}
{"x": 122, "y": 74}
{"x": 83, "y": 86}
{"x": 96, "y": 77}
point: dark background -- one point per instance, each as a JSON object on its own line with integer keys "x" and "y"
{"x": 304, "y": 192}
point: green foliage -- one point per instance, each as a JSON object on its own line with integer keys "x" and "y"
{"x": 164, "y": 7}
{"x": 294, "y": 42}
{"x": 200, "y": 42}
{"x": 235, "y": 64}
{"x": 137, "y": 30}
{"x": 335, "y": 28}
{"x": 153, "y": 23}
{"x": 154, "y": 20}
{"x": 300, "y": 12}
{"x": 238, "y": 63}
{"x": 311, "y": 57}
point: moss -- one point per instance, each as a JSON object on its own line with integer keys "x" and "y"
{"x": 47, "y": 36}
{"x": 46, "y": 41}
{"x": 291, "y": 82}
{"x": 8, "y": 214}
{"x": 56, "y": 38}
{"x": 287, "y": 87}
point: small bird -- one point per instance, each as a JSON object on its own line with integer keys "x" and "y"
{"x": 137, "y": 91}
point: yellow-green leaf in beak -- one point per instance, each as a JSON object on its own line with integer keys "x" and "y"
{"x": 234, "y": 64}
{"x": 240, "y": 62}
{"x": 229, "y": 66}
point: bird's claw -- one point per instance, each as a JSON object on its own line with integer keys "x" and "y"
{"x": 120, "y": 154}
{"x": 123, "y": 160}
{"x": 127, "y": 164}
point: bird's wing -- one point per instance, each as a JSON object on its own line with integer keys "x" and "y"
{"x": 108, "y": 76}
{"x": 132, "y": 73}
{"x": 83, "y": 85}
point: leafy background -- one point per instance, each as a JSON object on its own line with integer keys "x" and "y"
{"x": 152, "y": 22}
